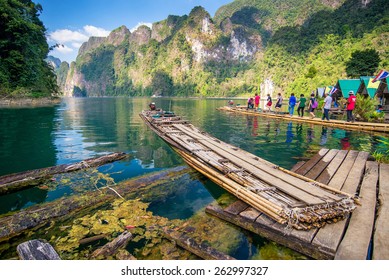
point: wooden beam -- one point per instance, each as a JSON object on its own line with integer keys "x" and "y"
{"x": 381, "y": 233}
{"x": 34, "y": 216}
{"x": 270, "y": 230}
{"x": 111, "y": 248}
{"x": 303, "y": 170}
{"x": 329, "y": 237}
{"x": 356, "y": 241}
{"x": 202, "y": 250}
{"x": 23, "y": 180}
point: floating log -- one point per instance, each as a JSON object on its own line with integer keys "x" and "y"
{"x": 92, "y": 239}
{"x": 23, "y": 180}
{"x": 113, "y": 247}
{"x": 37, "y": 249}
{"x": 201, "y": 250}
{"x": 38, "y": 215}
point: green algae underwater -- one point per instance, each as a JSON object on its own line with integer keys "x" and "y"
{"x": 76, "y": 235}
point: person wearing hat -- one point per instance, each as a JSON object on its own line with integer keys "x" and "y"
{"x": 351, "y": 100}
{"x": 152, "y": 106}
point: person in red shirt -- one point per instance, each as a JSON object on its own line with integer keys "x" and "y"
{"x": 351, "y": 100}
{"x": 256, "y": 101}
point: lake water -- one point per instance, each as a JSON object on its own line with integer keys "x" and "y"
{"x": 81, "y": 128}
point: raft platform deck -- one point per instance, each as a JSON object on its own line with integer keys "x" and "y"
{"x": 364, "y": 234}
{"x": 360, "y": 126}
{"x": 284, "y": 196}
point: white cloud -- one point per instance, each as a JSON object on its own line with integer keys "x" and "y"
{"x": 96, "y": 31}
{"x": 73, "y": 38}
{"x": 64, "y": 49}
{"x": 65, "y": 35}
{"x": 76, "y": 45}
{"x": 140, "y": 24}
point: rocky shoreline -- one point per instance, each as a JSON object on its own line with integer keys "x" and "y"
{"x": 28, "y": 102}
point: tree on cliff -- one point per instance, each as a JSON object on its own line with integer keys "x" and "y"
{"x": 23, "y": 48}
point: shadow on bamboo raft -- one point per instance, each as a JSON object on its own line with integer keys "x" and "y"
{"x": 24, "y": 180}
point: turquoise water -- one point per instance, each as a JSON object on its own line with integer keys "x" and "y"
{"x": 81, "y": 128}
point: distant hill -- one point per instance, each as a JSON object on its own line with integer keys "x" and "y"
{"x": 249, "y": 46}
{"x": 53, "y": 61}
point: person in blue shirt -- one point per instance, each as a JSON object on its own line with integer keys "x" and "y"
{"x": 292, "y": 103}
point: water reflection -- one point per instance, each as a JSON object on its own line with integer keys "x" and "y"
{"x": 81, "y": 128}
{"x": 26, "y": 139}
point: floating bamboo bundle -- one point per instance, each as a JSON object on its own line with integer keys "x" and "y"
{"x": 286, "y": 197}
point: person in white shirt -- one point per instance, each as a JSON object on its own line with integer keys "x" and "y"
{"x": 327, "y": 107}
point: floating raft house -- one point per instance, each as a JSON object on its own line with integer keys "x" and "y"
{"x": 286, "y": 197}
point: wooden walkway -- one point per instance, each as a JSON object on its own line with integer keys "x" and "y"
{"x": 363, "y": 235}
{"x": 382, "y": 128}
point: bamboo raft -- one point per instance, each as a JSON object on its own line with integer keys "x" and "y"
{"x": 360, "y": 126}
{"x": 363, "y": 235}
{"x": 286, "y": 197}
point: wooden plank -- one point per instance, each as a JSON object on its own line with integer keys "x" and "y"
{"x": 236, "y": 207}
{"x": 270, "y": 232}
{"x": 250, "y": 214}
{"x": 329, "y": 237}
{"x": 312, "y": 162}
{"x": 331, "y": 169}
{"x": 265, "y": 221}
{"x": 297, "y": 166}
{"x": 381, "y": 234}
{"x": 378, "y": 127}
{"x": 37, "y": 249}
{"x": 356, "y": 174}
{"x": 340, "y": 176}
{"x": 322, "y": 164}
{"x": 355, "y": 243}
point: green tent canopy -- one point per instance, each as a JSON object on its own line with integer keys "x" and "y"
{"x": 347, "y": 85}
{"x": 371, "y": 87}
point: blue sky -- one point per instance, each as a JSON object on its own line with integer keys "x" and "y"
{"x": 72, "y": 22}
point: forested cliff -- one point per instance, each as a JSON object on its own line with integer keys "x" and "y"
{"x": 23, "y": 50}
{"x": 249, "y": 46}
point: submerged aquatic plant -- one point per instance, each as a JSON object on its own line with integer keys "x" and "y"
{"x": 382, "y": 156}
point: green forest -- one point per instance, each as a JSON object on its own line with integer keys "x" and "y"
{"x": 23, "y": 50}
{"x": 298, "y": 45}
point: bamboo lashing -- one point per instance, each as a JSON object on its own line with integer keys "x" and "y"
{"x": 284, "y": 196}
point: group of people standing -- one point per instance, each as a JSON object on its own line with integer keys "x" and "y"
{"x": 253, "y": 102}
{"x": 301, "y": 104}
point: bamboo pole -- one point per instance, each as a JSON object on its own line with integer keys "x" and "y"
{"x": 249, "y": 159}
{"x": 269, "y": 209}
